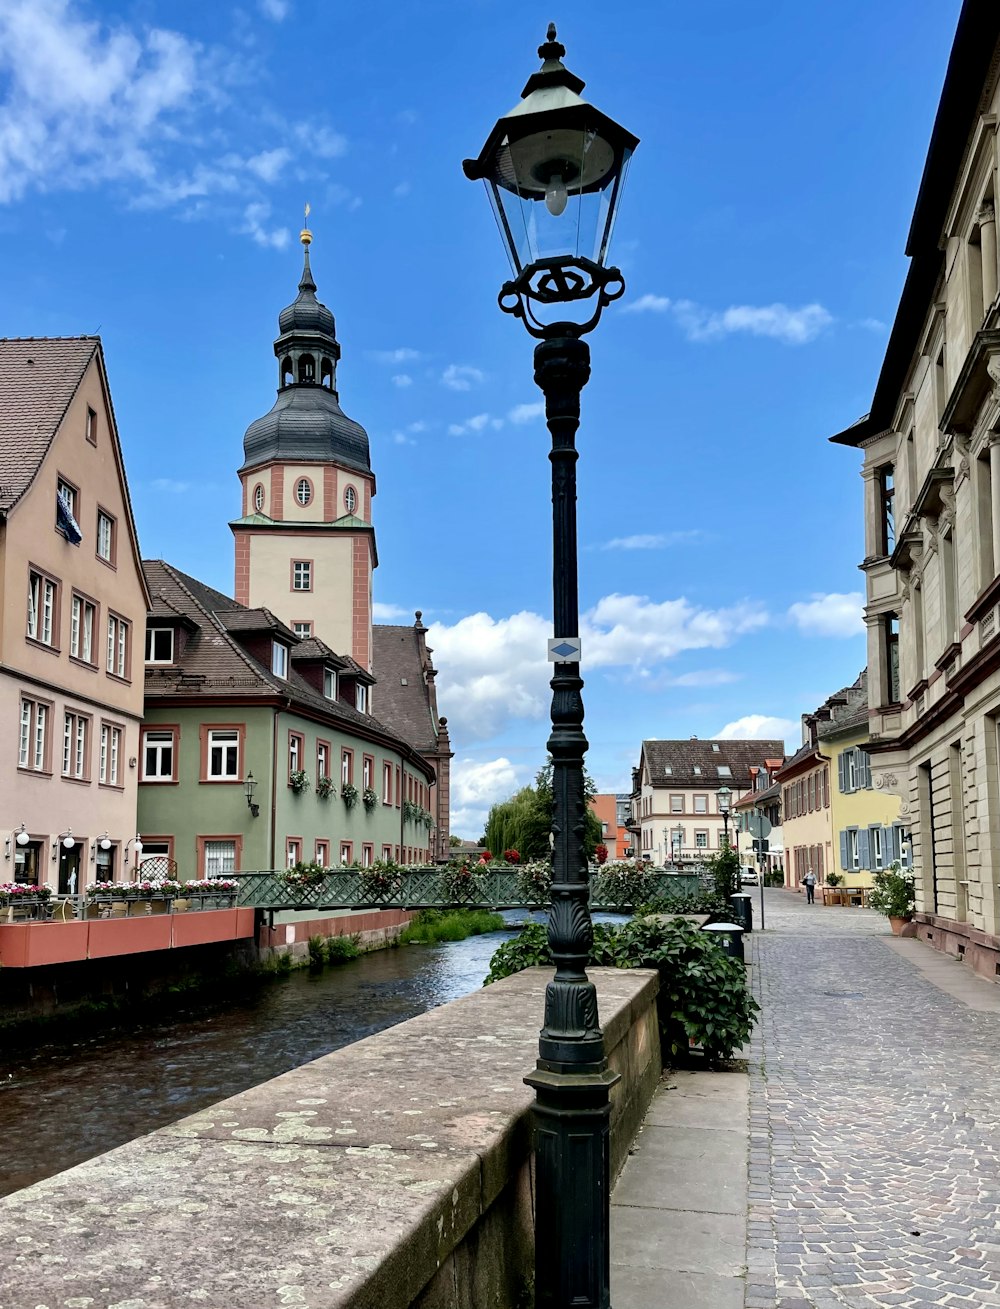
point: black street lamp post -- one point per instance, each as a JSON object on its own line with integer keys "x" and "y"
{"x": 554, "y": 169}
{"x": 724, "y": 798}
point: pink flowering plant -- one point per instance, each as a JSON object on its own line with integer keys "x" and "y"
{"x": 210, "y": 886}
{"x": 19, "y": 892}
{"x": 381, "y": 881}
{"x": 534, "y": 881}
{"x": 622, "y": 882}
{"x": 301, "y": 876}
{"x": 463, "y": 884}
{"x": 144, "y": 888}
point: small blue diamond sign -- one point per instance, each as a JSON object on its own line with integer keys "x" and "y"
{"x": 564, "y": 650}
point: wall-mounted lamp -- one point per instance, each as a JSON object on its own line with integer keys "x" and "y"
{"x": 105, "y": 844}
{"x": 136, "y": 843}
{"x": 65, "y": 839}
{"x": 249, "y": 787}
{"x": 20, "y": 837}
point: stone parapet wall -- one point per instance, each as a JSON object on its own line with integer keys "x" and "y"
{"x": 375, "y": 931}
{"x": 392, "y": 1173}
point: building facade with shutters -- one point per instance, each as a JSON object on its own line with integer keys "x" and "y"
{"x": 931, "y": 471}
{"x": 72, "y": 620}
{"x": 676, "y": 787}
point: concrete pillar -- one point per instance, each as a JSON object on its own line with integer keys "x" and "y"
{"x": 995, "y": 498}
{"x": 988, "y": 246}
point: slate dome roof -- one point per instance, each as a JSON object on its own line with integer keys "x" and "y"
{"x": 306, "y": 423}
{"x": 306, "y": 313}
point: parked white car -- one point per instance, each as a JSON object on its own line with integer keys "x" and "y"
{"x": 749, "y": 876}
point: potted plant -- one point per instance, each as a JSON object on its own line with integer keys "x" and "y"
{"x": 381, "y": 881}
{"x": 512, "y": 856}
{"x": 298, "y": 780}
{"x": 462, "y": 884}
{"x": 369, "y": 798}
{"x": 324, "y": 787}
{"x": 349, "y": 794}
{"x": 834, "y": 879}
{"x": 893, "y": 895}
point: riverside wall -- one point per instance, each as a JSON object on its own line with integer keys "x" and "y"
{"x": 392, "y": 1174}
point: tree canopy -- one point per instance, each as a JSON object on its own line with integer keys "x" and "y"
{"x": 524, "y": 822}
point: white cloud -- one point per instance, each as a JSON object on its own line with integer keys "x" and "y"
{"x": 170, "y": 485}
{"x": 493, "y": 671}
{"x": 475, "y": 786}
{"x": 402, "y": 379}
{"x": 269, "y": 163}
{"x": 276, "y": 10}
{"x": 323, "y": 142}
{"x": 526, "y": 413}
{"x": 384, "y": 612}
{"x": 778, "y": 321}
{"x": 400, "y": 438}
{"x": 462, "y": 377}
{"x": 761, "y": 727}
{"x": 656, "y": 304}
{"x": 477, "y": 423}
{"x": 84, "y": 104}
{"x": 403, "y": 355}
{"x": 648, "y": 541}
{"x": 706, "y": 677}
{"x": 873, "y": 325}
{"x": 833, "y": 615}
{"x": 254, "y": 218}
{"x": 401, "y": 189}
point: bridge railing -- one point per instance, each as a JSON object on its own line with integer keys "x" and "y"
{"x": 430, "y": 888}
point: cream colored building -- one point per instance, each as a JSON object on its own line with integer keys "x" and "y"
{"x": 72, "y": 620}
{"x": 931, "y": 450}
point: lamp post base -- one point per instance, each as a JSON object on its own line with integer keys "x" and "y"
{"x": 572, "y": 1129}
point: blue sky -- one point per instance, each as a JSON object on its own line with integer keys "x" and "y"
{"x": 154, "y": 161}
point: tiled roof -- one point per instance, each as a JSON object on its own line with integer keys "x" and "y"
{"x": 404, "y": 697}
{"x": 847, "y": 710}
{"x": 312, "y": 647}
{"x": 214, "y": 663}
{"x": 253, "y": 620}
{"x": 38, "y": 378}
{"x": 683, "y": 757}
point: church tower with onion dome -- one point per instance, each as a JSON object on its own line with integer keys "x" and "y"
{"x": 305, "y": 545}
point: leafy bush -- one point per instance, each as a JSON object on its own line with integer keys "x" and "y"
{"x": 341, "y": 948}
{"x": 534, "y": 881}
{"x": 833, "y": 879}
{"x": 381, "y": 881}
{"x": 349, "y": 794}
{"x": 622, "y": 882}
{"x": 369, "y": 798}
{"x": 703, "y": 997}
{"x": 432, "y": 926}
{"x": 317, "y": 952}
{"x": 462, "y": 883}
{"x": 724, "y": 869}
{"x": 704, "y": 901}
{"x": 302, "y": 876}
{"x": 892, "y": 893}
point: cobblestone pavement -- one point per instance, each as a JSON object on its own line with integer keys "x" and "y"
{"x": 874, "y": 1124}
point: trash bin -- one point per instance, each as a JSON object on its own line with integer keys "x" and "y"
{"x": 731, "y": 935}
{"x": 742, "y": 903}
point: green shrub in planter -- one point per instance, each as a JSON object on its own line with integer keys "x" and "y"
{"x": 892, "y": 893}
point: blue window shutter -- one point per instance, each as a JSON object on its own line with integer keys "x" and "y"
{"x": 864, "y": 848}
{"x": 842, "y": 771}
{"x": 865, "y": 770}
{"x": 845, "y": 853}
{"x": 890, "y": 845}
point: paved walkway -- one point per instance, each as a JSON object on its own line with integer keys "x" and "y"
{"x": 866, "y": 1138}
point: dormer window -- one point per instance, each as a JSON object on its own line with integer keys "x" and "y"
{"x": 715, "y": 747}
{"x": 279, "y": 659}
{"x": 723, "y": 770}
{"x": 697, "y": 770}
{"x": 668, "y": 770}
{"x": 329, "y": 683}
{"x": 159, "y": 645}
{"x": 361, "y": 698}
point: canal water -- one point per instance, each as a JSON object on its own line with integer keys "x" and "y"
{"x": 62, "y": 1104}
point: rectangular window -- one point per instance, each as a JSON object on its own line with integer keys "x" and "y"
{"x": 321, "y": 854}
{"x": 75, "y": 732}
{"x": 33, "y": 736}
{"x": 346, "y": 852}
{"x": 329, "y": 683}
{"x": 346, "y": 767}
{"x": 159, "y": 645}
{"x": 91, "y": 426}
{"x": 296, "y": 751}
{"x": 111, "y": 749}
{"x": 387, "y": 852}
{"x": 67, "y": 493}
{"x": 701, "y": 840}
{"x": 875, "y": 846}
{"x": 399, "y": 792}
{"x": 301, "y": 575}
{"x": 887, "y": 523}
{"x": 105, "y": 537}
{"x": 279, "y": 659}
{"x": 157, "y": 756}
{"x": 223, "y": 754}
{"x": 676, "y": 804}
{"x": 723, "y": 770}
{"x": 701, "y": 804}
{"x": 83, "y": 622}
{"x": 367, "y": 855}
{"x": 367, "y": 771}
{"x": 322, "y": 759}
{"x": 853, "y": 851}
{"x": 43, "y": 600}
{"x": 361, "y": 698}
{"x": 119, "y": 633}
{"x": 220, "y": 858}
{"x": 293, "y": 851}
{"x": 890, "y": 639}
{"x": 387, "y": 783}
{"x": 302, "y": 630}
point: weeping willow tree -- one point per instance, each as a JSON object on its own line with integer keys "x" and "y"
{"x": 523, "y": 822}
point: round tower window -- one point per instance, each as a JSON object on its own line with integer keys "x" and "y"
{"x": 303, "y": 491}
{"x": 350, "y": 500}
{"x": 258, "y": 497}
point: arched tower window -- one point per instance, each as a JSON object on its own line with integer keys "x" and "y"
{"x": 303, "y": 491}
{"x": 350, "y": 500}
{"x": 258, "y": 497}
{"x": 287, "y": 374}
{"x": 307, "y": 369}
{"x": 326, "y": 374}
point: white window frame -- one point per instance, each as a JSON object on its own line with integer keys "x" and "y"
{"x": 302, "y": 575}
{"x": 303, "y": 630}
{"x": 350, "y": 499}
{"x": 83, "y": 617}
{"x": 33, "y": 735}
{"x": 42, "y": 593}
{"x": 117, "y": 652}
{"x": 322, "y": 760}
{"x": 105, "y": 536}
{"x": 302, "y": 487}
{"x": 701, "y": 804}
{"x": 701, "y": 839}
{"x": 853, "y": 851}
{"x": 294, "y": 751}
{"x": 875, "y": 845}
{"x": 111, "y": 749}
{"x": 852, "y": 773}
{"x": 151, "y": 643}
{"x": 74, "y": 755}
{"x": 330, "y": 683}
{"x": 346, "y": 852}
{"x": 279, "y": 659}
{"x": 258, "y": 497}
{"x": 220, "y": 858}
{"x": 346, "y": 767}
{"x": 361, "y": 698}
{"x": 227, "y": 741}
{"x": 387, "y": 783}
{"x": 161, "y": 743}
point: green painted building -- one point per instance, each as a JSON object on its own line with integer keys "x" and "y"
{"x": 257, "y": 748}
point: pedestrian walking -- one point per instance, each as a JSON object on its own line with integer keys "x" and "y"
{"x": 809, "y": 882}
